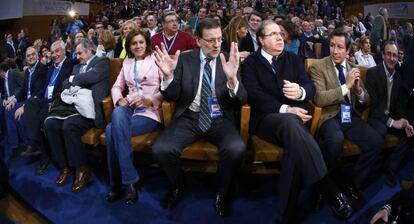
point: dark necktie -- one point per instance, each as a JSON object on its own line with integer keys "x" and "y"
{"x": 341, "y": 77}
{"x": 274, "y": 67}
{"x": 204, "y": 120}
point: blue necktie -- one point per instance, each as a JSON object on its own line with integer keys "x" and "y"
{"x": 204, "y": 120}
{"x": 6, "y": 85}
{"x": 52, "y": 81}
{"x": 341, "y": 77}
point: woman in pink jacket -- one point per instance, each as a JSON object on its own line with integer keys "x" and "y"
{"x": 137, "y": 113}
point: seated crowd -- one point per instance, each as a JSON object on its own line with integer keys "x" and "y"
{"x": 210, "y": 65}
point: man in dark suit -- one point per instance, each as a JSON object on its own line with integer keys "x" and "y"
{"x": 339, "y": 92}
{"x": 65, "y": 125}
{"x": 278, "y": 89}
{"x": 386, "y": 114}
{"x": 249, "y": 42}
{"x": 38, "y": 108}
{"x": 207, "y": 93}
{"x": 11, "y": 82}
{"x": 34, "y": 81}
{"x": 10, "y": 46}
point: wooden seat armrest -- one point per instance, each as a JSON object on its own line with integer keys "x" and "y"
{"x": 316, "y": 113}
{"x": 108, "y": 107}
{"x": 167, "y": 112}
{"x": 244, "y": 122}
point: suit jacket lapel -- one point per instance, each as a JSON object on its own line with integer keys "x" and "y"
{"x": 220, "y": 79}
{"x": 331, "y": 71}
{"x": 194, "y": 65}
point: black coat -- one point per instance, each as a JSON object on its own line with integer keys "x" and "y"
{"x": 376, "y": 85}
{"x": 183, "y": 88}
{"x": 15, "y": 80}
{"x": 264, "y": 88}
{"x": 37, "y": 83}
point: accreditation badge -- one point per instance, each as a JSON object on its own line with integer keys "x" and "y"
{"x": 346, "y": 114}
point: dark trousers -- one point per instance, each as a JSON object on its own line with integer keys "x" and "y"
{"x": 64, "y": 137}
{"x": 301, "y": 153}
{"x": 36, "y": 110}
{"x": 184, "y": 131}
{"x": 15, "y": 128}
{"x": 360, "y": 133}
{"x": 402, "y": 146}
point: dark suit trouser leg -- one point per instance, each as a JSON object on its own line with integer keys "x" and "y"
{"x": 167, "y": 148}
{"x": 302, "y": 159}
{"x": 54, "y": 134}
{"x": 11, "y": 127}
{"x": 36, "y": 110}
{"x": 333, "y": 140}
{"x": 402, "y": 146}
{"x": 73, "y": 128}
{"x": 369, "y": 142}
{"x": 225, "y": 136}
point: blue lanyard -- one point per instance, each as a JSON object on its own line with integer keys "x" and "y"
{"x": 209, "y": 81}
{"x": 137, "y": 85}
{"x": 28, "y": 83}
{"x": 172, "y": 42}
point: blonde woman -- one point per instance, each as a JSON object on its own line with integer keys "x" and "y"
{"x": 127, "y": 26}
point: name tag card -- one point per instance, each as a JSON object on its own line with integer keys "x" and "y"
{"x": 346, "y": 114}
{"x": 214, "y": 107}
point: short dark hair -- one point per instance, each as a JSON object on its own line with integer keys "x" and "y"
{"x": 256, "y": 13}
{"x": 206, "y": 24}
{"x": 387, "y": 42}
{"x": 131, "y": 35}
{"x": 340, "y": 32}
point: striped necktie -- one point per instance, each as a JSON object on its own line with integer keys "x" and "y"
{"x": 204, "y": 120}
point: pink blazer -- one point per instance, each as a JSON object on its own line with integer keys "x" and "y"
{"x": 149, "y": 77}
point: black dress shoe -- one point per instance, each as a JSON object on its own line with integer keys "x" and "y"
{"x": 115, "y": 194}
{"x": 131, "y": 194}
{"x": 390, "y": 177}
{"x": 170, "y": 200}
{"x": 341, "y": 206}
{"x": 353, "y": 192}
{"x": 40, "y": 170}
{"x": 222, "y": 205}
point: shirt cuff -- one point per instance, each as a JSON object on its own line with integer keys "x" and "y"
{"x": 233, "y": 92}
{"x": 361, "y": 97}
{"x": 390, "y": 122}
{"x": 303, "y": 94}
{"x": 345, "y": 90}
{"x": 283, "y": 108}
{"x": 165, "y": 84}
{"x": 71, "y": 78}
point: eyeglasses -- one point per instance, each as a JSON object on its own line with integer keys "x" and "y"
{"x": 214, "y": 40}
{"x": 282, "y": 34}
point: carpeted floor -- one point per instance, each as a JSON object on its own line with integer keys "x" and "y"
{"x": 255, "y": 201}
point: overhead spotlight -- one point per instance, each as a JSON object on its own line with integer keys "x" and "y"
{"x": 72, "y": 13}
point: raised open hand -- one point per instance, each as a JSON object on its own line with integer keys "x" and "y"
{"x": 231, "y": 66}
{"x": 165, "y": 62}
